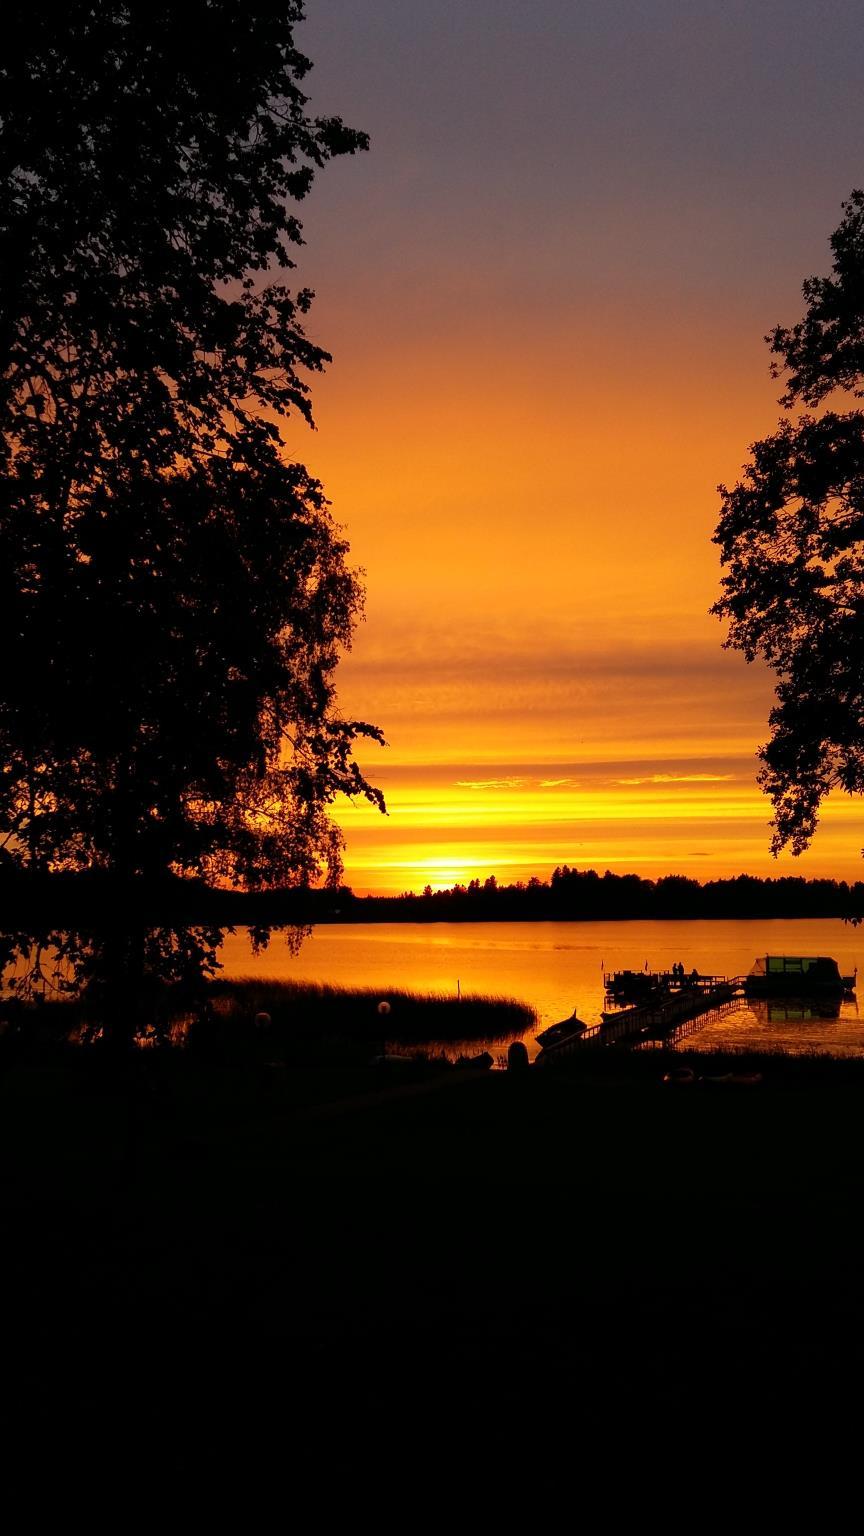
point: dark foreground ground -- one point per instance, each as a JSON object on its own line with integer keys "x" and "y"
{"x": 245, "y": 1268}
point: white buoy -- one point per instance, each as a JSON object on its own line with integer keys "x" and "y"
{"x": 383, "y": 1007}
{"x": 263, "y": 1021}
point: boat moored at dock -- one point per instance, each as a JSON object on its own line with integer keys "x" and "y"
{"x": 568, "y": 1029}
{"x": 797, "y": 976}
{"x": 663, "y": 1016}
{"x": 623, "y": 987}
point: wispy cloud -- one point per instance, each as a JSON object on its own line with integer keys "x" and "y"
{"x": 511, "y": 782}
{"x": 679, "y": 778}
{"x": 518, "y": 781}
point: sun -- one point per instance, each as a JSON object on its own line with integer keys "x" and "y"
{"x": 442, "y": 874}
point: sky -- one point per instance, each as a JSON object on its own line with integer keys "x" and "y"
{"x": 545, "y": 289}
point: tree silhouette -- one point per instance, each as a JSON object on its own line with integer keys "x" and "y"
{"x": 792, "y": 539}
{"x": 174, "y": 594}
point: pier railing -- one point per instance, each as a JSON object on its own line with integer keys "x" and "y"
{"x": 658, "y": 1021}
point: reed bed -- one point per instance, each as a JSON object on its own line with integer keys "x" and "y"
{"x": 251, "y": 1016}
{"x": 296, "y": 1010}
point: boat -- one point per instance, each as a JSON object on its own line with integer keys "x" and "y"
{"x": 797, "y": 976}
{"x": 567, "y": 1029}
{"x": 630, "y": 987}
{"x": 635, "y": 986}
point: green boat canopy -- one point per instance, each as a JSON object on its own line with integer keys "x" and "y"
{"x": 795, "y": 965}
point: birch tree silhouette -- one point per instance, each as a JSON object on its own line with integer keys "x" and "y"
{"x": 174, "y": 594}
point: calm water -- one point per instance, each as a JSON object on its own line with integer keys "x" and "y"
{"x": 559, "y": 966}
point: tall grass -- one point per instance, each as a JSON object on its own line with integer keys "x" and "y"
{"x": 393, "y": 1016}
{"x": 278, "y": 1018}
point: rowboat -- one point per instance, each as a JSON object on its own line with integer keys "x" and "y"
{"x": 563, "y": 1031}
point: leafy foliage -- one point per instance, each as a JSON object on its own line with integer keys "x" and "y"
{"x": 791, "y": 534}
{"x": 174, "y": 594}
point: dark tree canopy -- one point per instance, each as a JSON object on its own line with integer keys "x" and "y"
{"x": 792, "y": 540}
{"x": 151, "y": 154}
{"x": 174, "y": 594}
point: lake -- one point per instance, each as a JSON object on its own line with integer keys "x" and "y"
{"x": 559, "y": 966}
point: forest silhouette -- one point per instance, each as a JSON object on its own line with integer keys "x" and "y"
{"x": 578, "y": 895}
{"x": 585, "y": 896}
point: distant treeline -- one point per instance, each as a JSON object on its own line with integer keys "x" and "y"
{"x": 570, "y": 895}
{"x": 583, "y": 894}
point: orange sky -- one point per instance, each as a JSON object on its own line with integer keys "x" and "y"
{"x": 535, "y": 391}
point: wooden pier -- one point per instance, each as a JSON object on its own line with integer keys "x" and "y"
{"x": 661, "y": 1020}
{"x": 639, "y": 986}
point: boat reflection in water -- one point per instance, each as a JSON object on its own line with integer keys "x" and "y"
{"x": 793, "y": 1024}
{"x": 796, "y": 1010}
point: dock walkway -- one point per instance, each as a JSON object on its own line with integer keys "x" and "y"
{"x": 662, "y": 1019}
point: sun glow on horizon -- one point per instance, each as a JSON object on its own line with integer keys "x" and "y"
{"x": 529, "y": 413}
{"x": 702, "y": 825}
